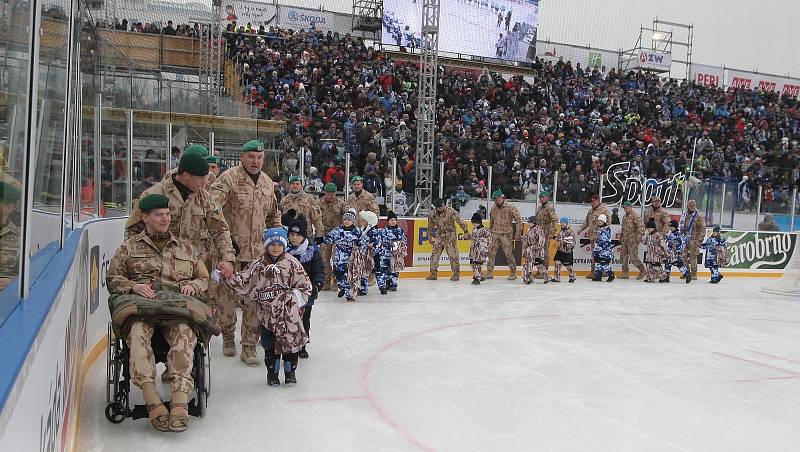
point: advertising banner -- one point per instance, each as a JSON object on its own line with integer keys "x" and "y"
{"x": 244, "y": 12}
{"x": 759, "y": 250}
{"x": 588, "y": 58}
{"x": 300, "y": 18}
{"x": 707, "y": 75}
{"x": 655, "y": 61}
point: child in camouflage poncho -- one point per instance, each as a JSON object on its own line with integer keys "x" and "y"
{"x": 481, "y": 237}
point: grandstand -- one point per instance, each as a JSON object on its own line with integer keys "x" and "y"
{"x": 101, "y": 103}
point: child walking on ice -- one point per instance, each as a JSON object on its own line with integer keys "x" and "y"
{"x": 716, "y": 254}
{"x": 533, "y": 252}
{"x": 479, "y": 248}
{"x": 565, "y": 243}
{"x": 656, "y": 253}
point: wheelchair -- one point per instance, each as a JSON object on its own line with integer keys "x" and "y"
{"x": 118, "y": 377}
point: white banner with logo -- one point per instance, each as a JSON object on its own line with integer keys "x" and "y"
{"x": 655, "y": 61}
{"x": 588, "y": 58}
{"x": 706, "y": 75}
{"x": 300, "y": 18}
{"x": 762, "y": 82}
{"x": 244, "y": 12}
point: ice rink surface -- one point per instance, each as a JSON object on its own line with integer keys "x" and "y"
{"x": 622, "y": 366}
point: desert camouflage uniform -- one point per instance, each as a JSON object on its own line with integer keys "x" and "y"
{"x": 364, "y": 200}
{"x": 565, "y": 243}
{"x": 280, "y": 288}
{"x": 306, "y": 205}
{"x": 661, "y": 217}
{"x": 590, "y": 226}
{"x": 693, "y": 227}
{"x": 442, "y": 235}
{"x": 481, "y": 237}
{"x": 655, "y": 256}
{"x": 533, "y": 251}
{"x": 139, "y": 261}
{"x": 501, "y": 225}
{"x": 331, "y": 213}
{"x": 249, "y": 209}
{"x": 9, "y": 253}
{"x": 632, "y": 232}
{"x": 547, "y": 219}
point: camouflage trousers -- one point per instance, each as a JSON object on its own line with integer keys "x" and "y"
{"x": 654, "y": 272}
{"x": 529, "y": 265}
{"x": 502, "y": 241}
{"x": 629, "y": 254}
{"x": 327, "y": 254}
{"x": 180, "y": 358}
{"x": 477, "y": 269}
{"x": 449, "y": 245}
{"x": 690, "y": 255}
{"x": 547, "y": 251}
{"x": 557, "y": 271}
{"x": 227, "y": 301}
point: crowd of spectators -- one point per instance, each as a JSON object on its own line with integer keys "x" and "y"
{"x": 340, "y": 96}
{"x": 156, "y": 28}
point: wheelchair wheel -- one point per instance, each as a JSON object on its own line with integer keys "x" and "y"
{"x": 203, "y": 376}
{"x": 110, "y": 384}
{"x": 115, "y": 413}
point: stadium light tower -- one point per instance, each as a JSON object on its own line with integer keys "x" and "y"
{"x": 426, "y": 110}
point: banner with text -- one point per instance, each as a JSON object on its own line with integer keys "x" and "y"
{"x": 760, "y": 82}
{"x": 707, "y": 75}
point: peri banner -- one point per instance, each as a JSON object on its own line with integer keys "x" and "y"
{"x": 759, "y": 250}
{"x": 707, "y": 75}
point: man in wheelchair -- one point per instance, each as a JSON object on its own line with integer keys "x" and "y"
{"x": 151, "y": 267}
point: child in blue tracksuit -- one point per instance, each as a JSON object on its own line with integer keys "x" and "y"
{"x": 602, "y": 250}
{"x": 716, "y": 254}
{"x": 676, "y": 242}
{"x": 345, "y": 239}
{"x": 390, "y": 252}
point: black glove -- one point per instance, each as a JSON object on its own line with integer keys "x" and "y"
{"x": 319, "y": 240}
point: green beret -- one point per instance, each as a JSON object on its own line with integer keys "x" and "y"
{"x": 294, "y": 179}
{"x": 497, "y": 194}
{"x": 253, "y": 146}
{"x": 627, "y": 203}
{"x": 212, "y": 159}
{"x": 9, "y": 193}
{"x": 543, "y": 193}
{"x": 356, "y": 179}
{"x": 153, "y": 201}
{"x": 194, "y": 164}
{"x": 330, "y": 187}
{"x": 198, "y": 149}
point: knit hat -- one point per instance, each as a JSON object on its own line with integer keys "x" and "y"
{"x": 153, "y": 201}
{"x": 651, "y": 224}
{"x": 532, "y": 219}
{"x": 369, "y": 217}
{"x": 299, "y": 226}
{"x": 275, "y": 235}
{"x": 9, "y": 193}
{"x": 673, "y": 223}
{"x": 198, "y": 149}
{"x": 194, "y": 164}
{"x": 602, "y": 217}
{"x": 330, "y": 187}
{"x": 391, "y": 215}
{"x": 627, "y": 203}
{"x": 497, "y": 194}
{"x": 563, "y": 220}
{"x": 253, "y": 146}
{"x": 288, "y": 217}
{"x": 349, "y": 215}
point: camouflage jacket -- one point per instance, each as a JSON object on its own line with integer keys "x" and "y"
{"x": 565, "y": 240}
{"x": 331, "y": 213}
{"x": 656, "y": 252}
{"x": 138, "y": 261}
{"x": 304, "y": 204}
{"x": 441, "y": 226}
{"x": 249, "y": 209}
{"x": 676, "y": 242}
{"x": 661, "y": 217}
{"x": 9, "y": 253}
{"x": 533, "y": 243}
{"x": 478, "y": 250}
{"x": 602, "y": 243}
{"x": 716, "y": 250}
{"x": 280, "y": 288}
{"x": 198, "y": 220}
{"x": 363, "y": 201}
{"x": 632, "y": 228}
{"x": 590, "y": 223}
{"x": 501, "y": 219}
{"x": 693, "y": 226}
{"x": 546, "y": 218}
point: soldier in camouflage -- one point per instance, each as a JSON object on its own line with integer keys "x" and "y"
{"x": 442, "y": 221}
{"x": 191, "y": 149}
{"x": 140, "y": 266}
{"x": 213, "y": 170}
{"x": 9, "y": 233}
{"x": 632, "y": 232}
{"x": 659, "y": 214}
{"x": 331, "y": 211}
{"x": 533, "y": 252}
{"x": 693, "y": 227}
{"x": 547, "y": 219}
{"x": 303, "y": 204}
{"x": 590, "y": 226}
{"x": 247, "y": 198}
{"x": 502, "y": 218}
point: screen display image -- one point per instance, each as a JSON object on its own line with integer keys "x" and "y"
{"x": 503, "y": 29}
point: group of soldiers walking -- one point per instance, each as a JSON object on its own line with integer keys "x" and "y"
{"x": 680, "y": 241}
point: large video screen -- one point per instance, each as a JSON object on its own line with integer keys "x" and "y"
{"x": 502, "y": 29}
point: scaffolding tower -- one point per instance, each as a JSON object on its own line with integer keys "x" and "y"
{"x": 426, "y": 111}
{"x": 367, "y": 15}
{"x": 209, "y": 71}
{"x": 661, "y": 38}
